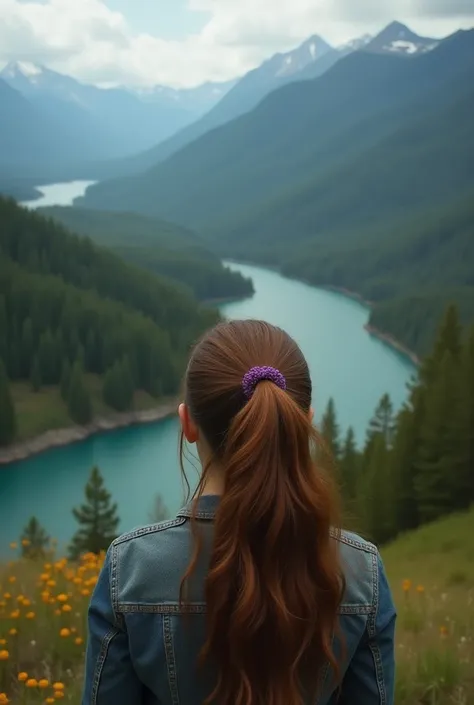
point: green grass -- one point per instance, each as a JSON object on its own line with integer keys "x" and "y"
{"x": 46, "y": 411}
{"x": 431, "y": 572}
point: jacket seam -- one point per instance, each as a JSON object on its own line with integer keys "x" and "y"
{"x": 363, "y": 546}
{"x": 196, "y": 608}
{"x": 371, "y": 622}
{"x": 104, "y": 649}
{"x": 170, "y": 659}
{"x": 152, "y": 529}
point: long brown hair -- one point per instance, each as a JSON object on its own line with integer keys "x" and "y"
{"x": 274, "y": 584}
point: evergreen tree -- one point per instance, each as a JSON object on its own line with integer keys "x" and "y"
{"x": 383, "y": 422}
{"x": 119, "y": 386}
{"x": 79, "y": 401}
{"x": 34, "y": 540}
{"x": 403, "y": 460}
{"x": 35, "y": 377}
{"x": 330, "y": 431}
{"x": 65, "y": 379}
{"x": 448, "y": 339}
{"x": 349, "y": 467}
{"x": 27, "y": 348}
{"x": 97, "y": 518}
{"x": 48, "y": 357}
{"x": 374, "y": 496}
{"x": 7, "y": 409}
{"x": 438, "y": 463}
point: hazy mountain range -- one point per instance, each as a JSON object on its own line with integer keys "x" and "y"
{"x": 66, "y": 123}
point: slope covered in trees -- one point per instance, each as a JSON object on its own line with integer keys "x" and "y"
{"x": 158, "y": 246}
{"x": 296, "y": 137}
{"x": 416, "y": 466}
{"x": 68, "y": 307}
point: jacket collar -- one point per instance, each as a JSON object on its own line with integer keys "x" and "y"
{"x": 206, "y": 507}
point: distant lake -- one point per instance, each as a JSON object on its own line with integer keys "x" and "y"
{"x": 59, "y": 194}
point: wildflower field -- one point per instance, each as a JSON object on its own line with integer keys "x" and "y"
{"x": 43, "y": 611}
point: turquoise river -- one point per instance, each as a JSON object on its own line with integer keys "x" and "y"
{"x": 139, "y": 462}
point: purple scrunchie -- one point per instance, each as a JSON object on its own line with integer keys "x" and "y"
{"x": 257, "y": 374}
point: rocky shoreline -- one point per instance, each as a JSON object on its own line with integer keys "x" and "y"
{"x": 74, "y": 434}
{"x": 393, "y": 343}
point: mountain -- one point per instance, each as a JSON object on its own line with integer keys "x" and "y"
{"x": 310, "y": 60}
{"x": 162, "y": 248}
{"x": 397, "y": 38}
{"x": 126, "y": 122}
{"x": 296, "y": 137}
{"x": 30, "y": 136}
{"x": 198, "y": 100}
{"x": 244, "y": 96}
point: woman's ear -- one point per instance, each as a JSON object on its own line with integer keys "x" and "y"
{"x": 190, "y": 430}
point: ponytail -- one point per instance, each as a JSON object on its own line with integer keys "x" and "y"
{"x": 274, "y": 584}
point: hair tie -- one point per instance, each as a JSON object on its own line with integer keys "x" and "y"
{"x": 257, "y": 374}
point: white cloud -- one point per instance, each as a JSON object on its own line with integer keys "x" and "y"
{"x": 88, "y": 40}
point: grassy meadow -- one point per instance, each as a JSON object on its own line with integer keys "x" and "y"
{"x": 43, "y": 609}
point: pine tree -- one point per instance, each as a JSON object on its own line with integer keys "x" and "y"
{"x": 65, "y": 378}
{"x": 48, "y": 358}
{"x": 34, "y": 540}
{"x": 159, "y": 511}
{"x": 375, "y": 505}
{"x": 97, "y": 518}
{"x": 27, "y": 348}
{"x": 118, "y": 386}
{"x": 438, "y": 461}
{"x": 35, "y": 377}
{"x": 448, "y": 339}
{"x": 404, "y": 453}
{"x": 383, "y": 422}
{"x": 7, "y": 409}
{"x": 79, "y": 401}
{"x": 349, "y": 467}
{"x": 330, "y": 431}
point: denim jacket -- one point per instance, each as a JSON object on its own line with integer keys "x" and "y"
{"x": 143, "y": 649}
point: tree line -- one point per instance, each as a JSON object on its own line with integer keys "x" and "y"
{"x": 416, "y": 465}
{"x": 68, "y": 307}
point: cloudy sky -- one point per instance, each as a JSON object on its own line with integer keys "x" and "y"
{"x": 186, "y": 42}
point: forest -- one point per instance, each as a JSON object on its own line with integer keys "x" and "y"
{"x": 161, "y": 247}
{"x": 418, "y": 465}
{"x": 69, "y": 307}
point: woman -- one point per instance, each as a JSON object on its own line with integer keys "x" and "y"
{"x": 251, "y": 595}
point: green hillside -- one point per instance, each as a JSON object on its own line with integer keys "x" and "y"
{"x": 69, "y": 309}
{"x": 297, "y": 136}
{"x": 431, "y": 572}
{"x": 162, "y": 248}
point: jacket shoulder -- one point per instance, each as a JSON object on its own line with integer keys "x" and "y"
{"x": 359, "y": 559}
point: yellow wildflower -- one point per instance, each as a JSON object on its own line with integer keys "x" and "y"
{"x": 57, "y": 611}
{"x": 49, "y": 700}
{"x": 65, "y": 632}
{"x": 58, "y": 686}
{"x": 7, "y": 596}
{"x": 47, "y": 566}
{"x": 4, "y": 655}
{"x": 443, "y": 630}
{"x": 13, "y": 631}
{"x": 30, "y": 615}
{"x": 22, "y": 676}
{"x": 78, "y": 641}
{"x": 58, "y": 694}
{"x": 406, "y": 585}
{"x": 26, "y": 602}
{"x": 43, "y": 683}
{"x": 420, "y": 589}
{"x": 85, "y": 592}
{"x": 25, "y": 542}
{"x": 51, "y": 583}
{"x": 3, "y": 642}
{"x": 12, "y": 579}
{"x": 44, "y": 577}
{"x": 66, "y": 608}
{"x": 15, "y": 614}
{"x": 3, "y": 699}
{"x": 31, "y": 683}
{"x": 62, "y": 597}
